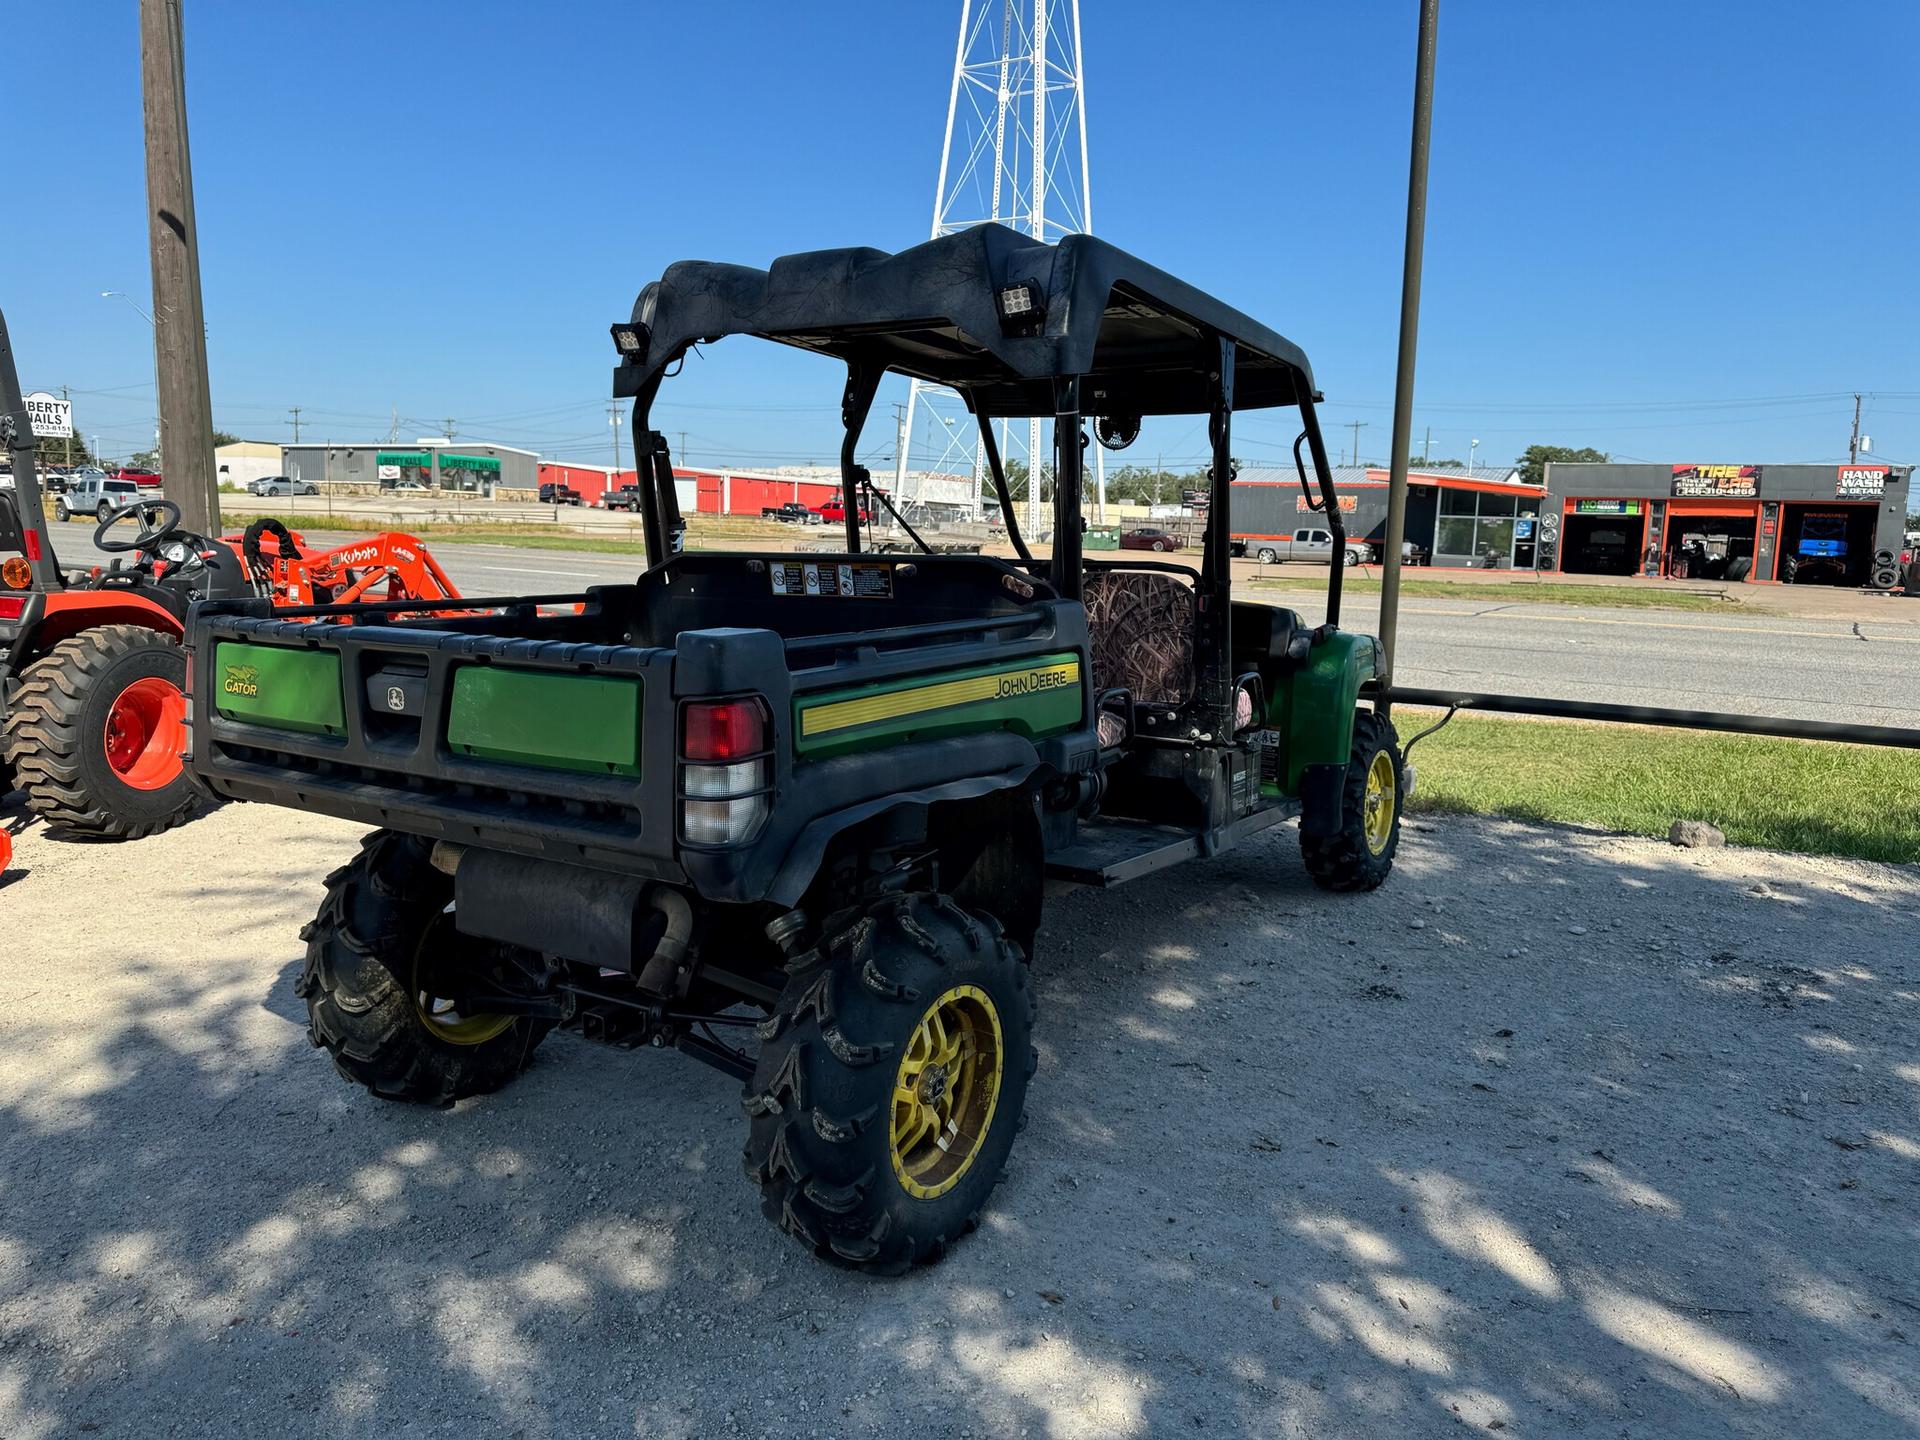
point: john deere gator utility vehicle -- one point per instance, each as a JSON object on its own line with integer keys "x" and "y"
{"x": 793, "y": 814}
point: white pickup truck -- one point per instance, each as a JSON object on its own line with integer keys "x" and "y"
{"x": 1304, "y": 544}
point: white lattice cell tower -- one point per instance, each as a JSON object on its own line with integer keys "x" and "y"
{"x": 1015, "y": 152}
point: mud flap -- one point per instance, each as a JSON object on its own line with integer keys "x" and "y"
{"x": 1320, "y": 791}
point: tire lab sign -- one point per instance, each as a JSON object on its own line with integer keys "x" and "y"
{"x": 1860, "y": 482}
{"x": 1716, "y": 482}
{"x": 49, "y": 418}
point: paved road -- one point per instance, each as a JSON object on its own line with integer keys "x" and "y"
{"x": 1788, "y": 666}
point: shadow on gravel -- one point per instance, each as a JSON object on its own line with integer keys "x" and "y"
{"x": 1298, "y": 1164}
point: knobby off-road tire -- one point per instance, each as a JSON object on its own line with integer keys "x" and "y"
{"x": 1360, "y": 855}
{"x": 382, "y": 929}
{"x": 842, "y": 1163}
{"x": 62, "y": 749}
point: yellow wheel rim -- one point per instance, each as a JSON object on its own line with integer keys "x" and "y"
{"x": 442, "y": 1016}
{"x": 945, "y": 1092}
{"x": 1381, "y": 802}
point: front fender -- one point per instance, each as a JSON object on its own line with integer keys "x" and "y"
{"x": 1313, "y": 710}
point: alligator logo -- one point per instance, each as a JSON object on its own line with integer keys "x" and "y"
{"x": 241, "y": 680}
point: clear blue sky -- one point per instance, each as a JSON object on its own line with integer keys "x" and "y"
{"x": 1645, "y": 216}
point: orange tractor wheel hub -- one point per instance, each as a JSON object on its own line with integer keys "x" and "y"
{"x": 146, "y": 733}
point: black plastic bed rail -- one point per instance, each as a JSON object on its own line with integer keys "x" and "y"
{"x": 1899, "y": 737}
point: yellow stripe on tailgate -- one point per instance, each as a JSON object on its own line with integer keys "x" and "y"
{"x": 891, "y": 705}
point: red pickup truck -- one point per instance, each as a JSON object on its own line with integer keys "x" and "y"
{"x": 834, "y": 512}
{"x": 145, "y": 479}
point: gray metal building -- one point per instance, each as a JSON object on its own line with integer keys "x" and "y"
{"x": 1794, "y": 524}
{"x": 1480, "y": 518}
{"x": 438, "y": 464}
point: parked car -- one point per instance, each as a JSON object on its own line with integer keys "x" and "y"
{"x": 98, "y": 498}
{"x": 286, "y": 485}
{"x": 1148, "y": 538}
{"x": 792, "y": 513}
{"x": 145, "y": 479}
{"x": 410, "y": 487}
{"x": 625, "y": 497}
{"x": 557, "y": 494}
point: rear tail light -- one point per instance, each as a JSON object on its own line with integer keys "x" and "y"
{"x": 16, "y": 572}
{"x": 726, "y": 771}
{"x": 723, "y": 729}
{"x": 12, "y": 607}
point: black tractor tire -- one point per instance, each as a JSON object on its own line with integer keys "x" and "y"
{"x": 382, "y": 910}
{"x": 1358, "y": 857}
{"x": 1789, "y": 569}
{"x": 56, "y": 723}
{"x": 823, "y": 1099}
{"x": 1739, "y": 567}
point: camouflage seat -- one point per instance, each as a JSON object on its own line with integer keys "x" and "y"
{"x": 1140, "y": 625}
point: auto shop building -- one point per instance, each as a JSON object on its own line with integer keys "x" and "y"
{"x": 1792, "y": 524}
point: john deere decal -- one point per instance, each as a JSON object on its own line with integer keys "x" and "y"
{"x": 1041, "y": 696}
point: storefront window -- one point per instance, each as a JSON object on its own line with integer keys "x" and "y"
{"x": 1472, "y": 524}
{"x": 1454, "y": 535}
{"x": 404, "y": 467}
{"x": 468, "y": 472}
{"x": 1495, "y": 535}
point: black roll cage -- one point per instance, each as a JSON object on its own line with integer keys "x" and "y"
{"x": 1096, "y": 333}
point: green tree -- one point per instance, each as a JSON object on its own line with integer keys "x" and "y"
{"x": 221, "y": 437}
{"x": 62, "y": 452}
{"x": 1533, "y": 464}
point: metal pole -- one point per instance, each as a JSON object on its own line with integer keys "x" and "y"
{"x": 1409, "y": 343}
{"x": 180, "y": 331}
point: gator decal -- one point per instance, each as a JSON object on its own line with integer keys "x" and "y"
{"x": 1041, "y": 696}
{"x": 279, "y": 686}
{"x": 548, "y": 718}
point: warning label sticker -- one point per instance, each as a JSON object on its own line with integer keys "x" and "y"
{"x": 844, "y": 579}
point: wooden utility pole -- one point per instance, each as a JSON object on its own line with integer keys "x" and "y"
{"x": 179, "y": 322}
{"x": 1415, "y": 258}
{"x": 1853, "y": 445}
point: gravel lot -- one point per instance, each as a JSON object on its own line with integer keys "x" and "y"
{"x": 1560, "y": 1134}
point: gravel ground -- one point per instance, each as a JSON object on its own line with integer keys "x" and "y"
{"x": 1559, "y": 1134}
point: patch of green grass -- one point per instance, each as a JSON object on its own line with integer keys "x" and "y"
{"x": 1816, "y": 798}
{"x": 1542, "y": 592}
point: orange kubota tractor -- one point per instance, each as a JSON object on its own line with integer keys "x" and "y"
{"x": 92, "y": 676}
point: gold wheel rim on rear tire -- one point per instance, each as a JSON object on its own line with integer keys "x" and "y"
{"x": 1382, "y": 798}
{"x": 441, "y": 1016}
{"x": 945, "y": 1092}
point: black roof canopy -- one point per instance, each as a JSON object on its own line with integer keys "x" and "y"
{"x": 1143, "y": 340}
